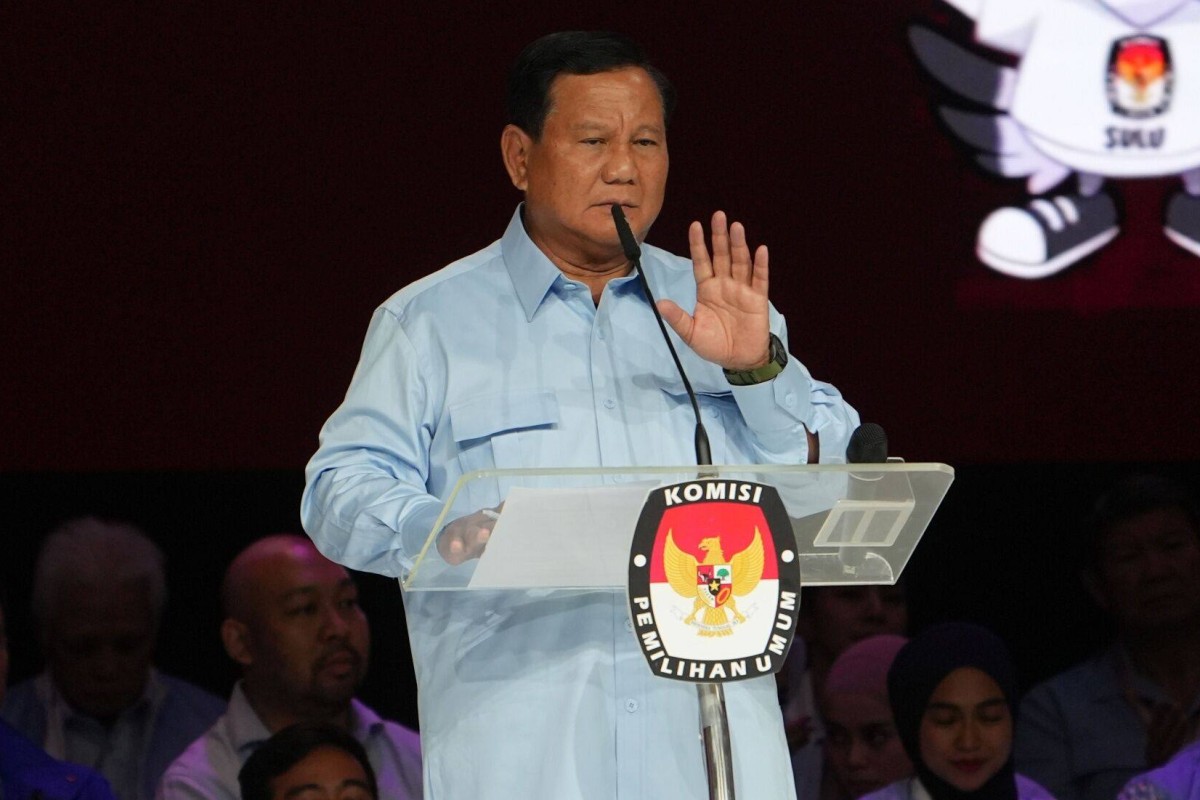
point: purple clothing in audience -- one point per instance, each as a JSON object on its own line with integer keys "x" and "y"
{"x": 208, "y": 769}
{"x": 911, "y": 789}
{"x": 1077, "y": 733}
{"x": 132, "y": 751}
{"x": 26, "y": 773}
{"x": 1178, "y": 779}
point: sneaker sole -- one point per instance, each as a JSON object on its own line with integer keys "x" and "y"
{"x": 1187, "y": 243}
{"x": 1018, "y": 269}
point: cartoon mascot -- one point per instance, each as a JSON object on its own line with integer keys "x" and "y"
{"x": 1102, "y": 89}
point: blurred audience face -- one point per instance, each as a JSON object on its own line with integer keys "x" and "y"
{"x": 966, "y": 732}
{"x": 98, "y": 644}
{"x": 838, "y": 616}
{"x": 1148, "y": 571}
{"x": 861, "y": 747}
{"x": 296, "y": 627}
{"x": 327, "y": 773}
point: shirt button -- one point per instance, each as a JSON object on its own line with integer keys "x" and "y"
{"x": 601, "y": 335}
{"x": 610, "y": 403}
{"x": 631, "y": 705}
{"x": 789, "y": 399}
{"x": 628, "y": 624}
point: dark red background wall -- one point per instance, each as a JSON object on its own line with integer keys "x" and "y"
{"x": 202, "y": 204}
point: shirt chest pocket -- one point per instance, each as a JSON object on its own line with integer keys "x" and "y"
{"x": 506, "y": 431}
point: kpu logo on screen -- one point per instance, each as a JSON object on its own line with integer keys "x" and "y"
{"x": 714, "y": 580}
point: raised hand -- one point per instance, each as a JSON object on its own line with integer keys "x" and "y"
{"x": 730, "y": 324}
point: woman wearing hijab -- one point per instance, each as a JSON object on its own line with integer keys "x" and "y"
{"x": 862, "y": 751}
{"x": 953, "y": 696}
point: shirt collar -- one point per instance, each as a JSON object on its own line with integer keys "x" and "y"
{"x": 532, "y": 273}
{"x": 59, "y": 712}
{"x": 247, "y": 731}
{"x": 59, "y": 709}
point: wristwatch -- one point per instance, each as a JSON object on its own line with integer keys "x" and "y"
{"x": 774, "y": 366}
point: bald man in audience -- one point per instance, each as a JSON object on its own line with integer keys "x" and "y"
{"x": 293, "y": 624}
{"x": 99, "y": 589}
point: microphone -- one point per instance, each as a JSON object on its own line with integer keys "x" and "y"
{"x": 868, "y": 445}
{"x": 633, "y": 252}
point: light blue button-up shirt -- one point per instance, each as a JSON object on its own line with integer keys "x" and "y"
{"x": 499, "y": 360}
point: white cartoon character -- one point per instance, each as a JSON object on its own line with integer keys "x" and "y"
{"x": 1102, "y": 89}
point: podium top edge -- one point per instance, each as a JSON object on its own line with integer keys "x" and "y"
{"x": 763, "y": 469}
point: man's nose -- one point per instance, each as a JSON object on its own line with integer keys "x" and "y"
{"x": 619, "y": 166}
{"x": 335, "y": 623}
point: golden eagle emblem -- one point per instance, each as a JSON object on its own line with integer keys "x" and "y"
{"x": 714, "y": 582}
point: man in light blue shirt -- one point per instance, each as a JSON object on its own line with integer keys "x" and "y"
{"x": 541, "y": 351}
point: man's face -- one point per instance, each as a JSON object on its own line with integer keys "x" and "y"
{"x": 1148, "y": 568}
{"x": 307, "y": 637}
{"x": 99, "y": 644}
{"x": 327, "y": 773}
{"x": 604, "y": 141}
{"x": 839, "y": 616}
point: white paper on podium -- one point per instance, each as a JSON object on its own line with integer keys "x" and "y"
{"x": 562, "y": 538}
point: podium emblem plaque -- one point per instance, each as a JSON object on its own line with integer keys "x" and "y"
{"x": 714, "y": 580}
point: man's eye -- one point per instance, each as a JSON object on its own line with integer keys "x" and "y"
{"x": 647, "y": 142}
{"x": 305, "y": 610}
{"x": 592, "y": 141}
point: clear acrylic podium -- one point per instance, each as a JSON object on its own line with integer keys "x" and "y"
{"x": 529, "y": 652}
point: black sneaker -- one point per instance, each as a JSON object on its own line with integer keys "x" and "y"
{"x": 1048, "y": 234}
{"x": 1183, "y": 222}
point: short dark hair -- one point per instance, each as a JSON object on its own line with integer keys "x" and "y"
{"x": 572, "y": 53}
{"x": 1132, "y": 497}
{"x": 289, "y": 747}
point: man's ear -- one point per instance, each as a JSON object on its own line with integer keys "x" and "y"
{"x": 515, "y": 145}
{"x": 235, "y": 635}
{"x": 1095, "y": 588}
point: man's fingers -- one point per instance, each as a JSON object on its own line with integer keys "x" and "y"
{"x": 739, "y": 254}
{"x": 466, "y": 538}
{"x": 701, "y": 264}
{"x": 679, "y": 320}
{"x": 720, "y": 244}
{"x": 759, "y": 280}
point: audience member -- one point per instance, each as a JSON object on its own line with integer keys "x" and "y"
{"x": 26, "y": 772}
{"x": 862, "y": 751}
{"x": 1178, "y": 779}
{"x": 953, "y": 696}
{"x": 313, "y": 761}
{"x": 294, "y": 626}
{"x": 1086, "y": 732}
{"x": 98, "y": 595}
{"x": 831, "y": 619}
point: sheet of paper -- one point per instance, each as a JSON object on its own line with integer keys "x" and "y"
{"x": 559, "y": 538}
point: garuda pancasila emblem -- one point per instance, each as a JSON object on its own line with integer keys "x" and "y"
{"x": 714, "y": 582}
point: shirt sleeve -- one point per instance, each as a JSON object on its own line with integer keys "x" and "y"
{"x": 365, "y": 502}
{"x": 779, "y": 411}
{"x": 1041, "y": 748}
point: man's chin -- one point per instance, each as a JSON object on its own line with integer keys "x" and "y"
{"x": 337, "y": 688}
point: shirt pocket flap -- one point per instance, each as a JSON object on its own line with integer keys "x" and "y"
{"x": 485, "y": 416}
